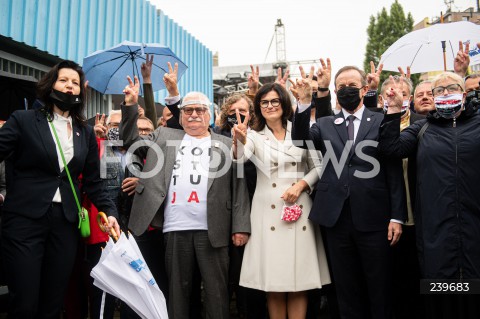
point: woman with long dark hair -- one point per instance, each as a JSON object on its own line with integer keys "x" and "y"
{"x": 40, "y": 216}
{"x": 285, "y": 258}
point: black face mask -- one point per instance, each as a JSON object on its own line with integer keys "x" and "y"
{"x": 349, "y": 98}
{"x": 232, "y": 119}
{"x": 173, "y": 123}
{"x": 64, "y": 101}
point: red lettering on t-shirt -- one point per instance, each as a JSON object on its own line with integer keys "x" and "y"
{"x": 193, "y": 197}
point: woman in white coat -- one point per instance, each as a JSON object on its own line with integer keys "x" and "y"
{"x": 285, "y": 259}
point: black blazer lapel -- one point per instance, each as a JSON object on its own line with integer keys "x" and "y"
{"x": 43, "y": 127}
{"x": 77, "y": 144}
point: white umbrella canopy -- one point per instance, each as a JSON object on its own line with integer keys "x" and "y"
{"x": 422, "y": 50}
{"x": 123, "y": 273}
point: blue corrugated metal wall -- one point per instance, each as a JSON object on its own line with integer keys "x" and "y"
{"x": 72, "y": 29}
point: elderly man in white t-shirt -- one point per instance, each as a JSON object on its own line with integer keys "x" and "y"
{"x": 189, "y": 188}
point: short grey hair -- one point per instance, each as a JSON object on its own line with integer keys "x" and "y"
{"x": 113, "y": 112}
{"x": 421, "y": 83}
{"x": 397, "y": 79}
{"x": 196, "y": 98}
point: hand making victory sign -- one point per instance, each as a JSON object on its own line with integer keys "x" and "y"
{"x": 394, "y": 96}
{"x": 403, "y": 74}
{"x": 131, "y": 91}
{"x": 253, "y": 80}
{"x": 100, "y": 127}
{"x": 282, "y": 80}
{"x": 239, "y": 131}
{"x": 373, "y": 78}
{"x": 302, "y": 89}
{"x": 462, "y": 60}
{"x": 170, "y": 79}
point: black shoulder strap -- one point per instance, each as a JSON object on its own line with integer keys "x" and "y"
{"x": 422, "y": 131}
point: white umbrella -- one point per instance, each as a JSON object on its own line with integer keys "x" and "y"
{"x": 123, "y": 273}
{"x": 422, "y": 49}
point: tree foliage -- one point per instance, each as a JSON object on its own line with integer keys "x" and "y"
{"x": 383, "y": 31}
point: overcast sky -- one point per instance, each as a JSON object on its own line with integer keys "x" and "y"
{"x": 241, "y": 31}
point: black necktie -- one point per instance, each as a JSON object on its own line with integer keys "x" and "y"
{"x": 350, "y": 127}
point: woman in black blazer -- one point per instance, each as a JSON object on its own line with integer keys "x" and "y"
{"x": 40, "y": 215}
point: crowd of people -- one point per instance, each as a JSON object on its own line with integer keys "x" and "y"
{"x": 287, "y": 204}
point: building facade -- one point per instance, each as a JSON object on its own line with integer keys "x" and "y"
{"x": 48, "y": 31}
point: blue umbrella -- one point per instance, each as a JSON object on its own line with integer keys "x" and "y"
{"x": 107, "y": 70}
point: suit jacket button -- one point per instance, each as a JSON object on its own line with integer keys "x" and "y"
{"x": 301, "y": 206}
{"x": 274, "y": 185}
{"x": 273, "y": 206}
{"x": 162, "y": 194}
{"x": 349, "y": 165}
{"x": 293, "y": 164}
{"x": 275, "y": 164}
{"x": 345, "y": 186}
{"x": 304, "y": 228}
{"x": 272, "y": 228}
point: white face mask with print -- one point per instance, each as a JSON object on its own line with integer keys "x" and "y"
{"x": 448, "y": 105}
{"x": 405, "y": 106}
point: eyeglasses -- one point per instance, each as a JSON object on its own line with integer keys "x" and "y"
{"x": 198, "y": 110}
{"x": 275, "y": 103}
{"x": 144, "y": 131}
{"x": 452, "y": 88}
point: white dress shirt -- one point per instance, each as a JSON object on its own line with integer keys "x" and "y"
{"x": 356, "y": 123}
{"x": 61, "y": 126}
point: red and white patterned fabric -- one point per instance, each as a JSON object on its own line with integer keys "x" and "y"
{"x": 291, "y": 213}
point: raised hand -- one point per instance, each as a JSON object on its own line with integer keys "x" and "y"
{"x": 146, "y": 69}
{"x": 217, "y": 117}
{"x": 324, "y": 74}
{"x": 240, "y": 129}
{"x": 141, "y": 111}
{"x": 402, "y": 74}
{"x": 394, "y": 96}
{"x": 253, "y": 80}
{"x": 282, "y": 80}
{"x": 373, "y": 78}
{"x": 100, "y": 127}
{"x": 462, "y": 60}
{"x": 294, "y": 89}
{"x": 131, "y": 91}
{"x": 170, "y": 79}
{"x": 303, "y": 87}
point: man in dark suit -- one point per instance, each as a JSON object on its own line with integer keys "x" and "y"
{"x": 359, "y": 200}
{"x": 189, "y": 189}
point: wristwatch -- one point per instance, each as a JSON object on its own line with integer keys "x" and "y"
{"x": 323, "y": 89}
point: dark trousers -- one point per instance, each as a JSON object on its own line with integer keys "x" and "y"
{"x": 407, "y": 301}
{"x": 38, "y": 258}
{"x": 184, "y": 249}
{"x": 361, "y": 269}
